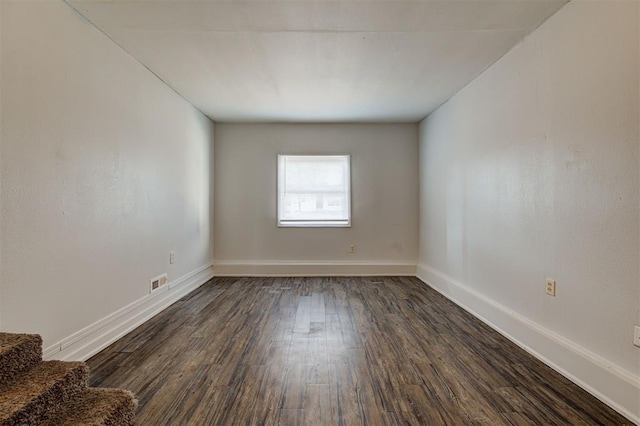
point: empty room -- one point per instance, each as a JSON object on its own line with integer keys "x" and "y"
{"x": 321, "y": 212}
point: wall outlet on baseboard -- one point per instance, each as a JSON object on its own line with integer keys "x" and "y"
{"x": 172, "y": 257}
{"x": 551, "y": 287}
{"x": 636, "y": 335}
{"x": 157, "y": 282}
{"x": 352, "y": 248}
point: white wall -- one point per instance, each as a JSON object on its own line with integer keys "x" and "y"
{"x": 384, "y": 170}
{"x": 104, "y": 171}
{"x": 530, "y": 172}
{"x": 1, "y": 144}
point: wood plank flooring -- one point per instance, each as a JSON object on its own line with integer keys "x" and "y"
{"x": 334, "y": 351}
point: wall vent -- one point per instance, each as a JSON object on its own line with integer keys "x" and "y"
{"x": 157, "y": 282}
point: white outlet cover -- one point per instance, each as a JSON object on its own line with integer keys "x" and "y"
{"x": 550, "y": 287}
{"x": 636, "y": 335}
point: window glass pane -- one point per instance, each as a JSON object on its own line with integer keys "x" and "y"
{"x": 313, "y": 190}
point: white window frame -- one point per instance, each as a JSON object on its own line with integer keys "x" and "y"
{"x": 312, "y": 223}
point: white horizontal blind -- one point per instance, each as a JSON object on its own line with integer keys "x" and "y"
{"x": 314, "y": 190}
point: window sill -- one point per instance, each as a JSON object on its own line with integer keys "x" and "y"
{"x": 314, "y": 224}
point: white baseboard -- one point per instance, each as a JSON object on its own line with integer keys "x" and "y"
{"x": 616, "y": 387}
{"x": 97, "y": 336}
{"x": 306, "y": 268}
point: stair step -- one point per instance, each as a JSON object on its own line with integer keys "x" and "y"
{"x": 18, "y": 353}
{"x": 97, "y": 407}
{"x": 34, "y": 395}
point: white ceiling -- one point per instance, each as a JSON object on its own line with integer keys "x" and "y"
{"x": 317, "y": 61}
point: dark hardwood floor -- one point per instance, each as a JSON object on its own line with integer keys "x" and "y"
{"x": 334, "y": 351}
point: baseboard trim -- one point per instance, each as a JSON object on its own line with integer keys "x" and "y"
{"x": 304, "y": 268}
{"x": 616, "y": 387}
{"x": 97, "y": 336}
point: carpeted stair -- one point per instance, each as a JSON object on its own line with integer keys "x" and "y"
{"x": 36, "y": 392}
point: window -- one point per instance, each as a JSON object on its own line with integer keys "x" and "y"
{"x": 314, "y": 190}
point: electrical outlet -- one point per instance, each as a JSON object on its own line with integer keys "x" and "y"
{"x": 551, "y": 287}
{"x": 352, "y": 248}
{"x": 157, "y": 282}
{"x": 172, "y": 257}
{"x": 636, "y": 335}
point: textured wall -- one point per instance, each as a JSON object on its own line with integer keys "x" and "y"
{"x": 104, "y": 171}
{"x": 532, "y": 172}
{"x": 384, "y": 170}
